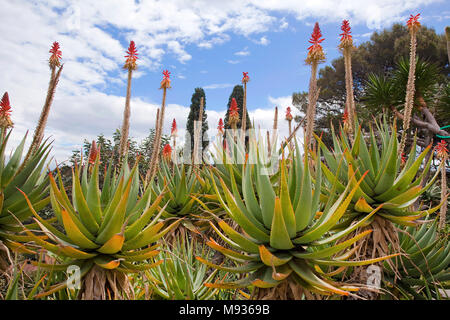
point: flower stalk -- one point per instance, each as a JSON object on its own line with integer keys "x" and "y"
{"x": 54, "y": 63}
{"x": 245, "y": 79}
{"x": 315, "y": 56}
{"x": 165, "y": 84}
{"x": 130, "y": 65}
{"x": 413, "y": 25}
{"x": 346, "y": 46}
{"x": 442, "y": 155}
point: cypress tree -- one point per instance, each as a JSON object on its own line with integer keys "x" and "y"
{"x": 193, "y": 116}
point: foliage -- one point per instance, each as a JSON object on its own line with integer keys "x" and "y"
{"x": 19, "y": 177}
{"x": 108, "y": 229}
{"x": 285, "y": 236}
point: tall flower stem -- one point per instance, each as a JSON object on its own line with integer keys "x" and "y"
{"x": 346, "y": 46}
{"x": 130, "y": 65}
{"x": 245, "y": 79}
{"x": 413, "y": 25}
{"x": 123, "y": 146}
{"x": 275, "y": 128}
{"x": 42, "y": 123}
{"x": 165, "y": 84}
{"x": 442, "y": 155}
{"x": 312, "y": 101}
{"x": 315, "y": 56}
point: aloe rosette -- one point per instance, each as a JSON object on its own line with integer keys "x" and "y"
{"x": 284, "y": 237}
{"x": 425, "y": 267}
{"x": 17, "y": 175}
{"x": 181, "y": 276}
{"x": 389, "y": 182}
{"x": 107, "y": 233}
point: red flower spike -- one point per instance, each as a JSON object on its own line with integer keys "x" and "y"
{"x": 167, "y": 152}
{"x": 245, "y": 77}
{"x": 56, "y": 55}
{"x": 5, "y": 110}
{"x": 441, "y": 150}
{"x": 345, "y": 120}
{"x": 346, "y": 38}
{"x": 132, "y": 56}
{"x": 403, "y": 158}
{"x": 233, "y": 112}
{"x": 93, "y": 153}
{"x": 413, "y": 23}
{"x": 165, "y": 83}
{"x": 345, "y": 115}
{"x": 220, "y": 126}
{"x": 289, "y": 116}
{"x": 174, "y": 129}
{"x": 315, "y": 51}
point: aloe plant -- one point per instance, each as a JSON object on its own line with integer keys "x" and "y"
{"x": 284, "y": 243}
{"x": 390, "y": 183}
{"x": 181, "y": 276}
{"x": 423, "y": 273}
{"x": 107, "y": 232}
{"x": 17, "y": 176}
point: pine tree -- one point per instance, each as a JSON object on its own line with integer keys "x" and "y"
{"x": 238, "y": 94}
{"x": 193, "y": 116}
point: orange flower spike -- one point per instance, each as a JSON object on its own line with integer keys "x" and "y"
{"x": 245, "y": 77}
{"x": 346, "y": 37}
{"x": 167, "y": 152}
{"x": 289, "y": 116}
{"x": 56, "y": 55}
{"x": 315, "y": 51}
{"x": 165, "y": 83}
{"x": 413, "y": 23}
{"x": 441, "y": 150}
{"x": 94, "y": 153}
{"x": 132, "y": 56}
{"x": 220, "y": 126}
{"x": 174, "y": 129}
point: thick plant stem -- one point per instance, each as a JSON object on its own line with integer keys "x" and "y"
{"x": 244, "y": 113}
{"x": 152, "y": 156}
{"x": 311, "y": 111}
{"x": 123, "y": 146}
{"x": 410, "y": 90}
{"x": 40, "y": 128}
{"x": 275, "y": 127}
{"x": 350, "y": 101}
{"x": 157, "y": 146}
{"x": 443, "y": 210}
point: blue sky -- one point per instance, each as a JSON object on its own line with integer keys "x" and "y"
{"x": 202, "y": 43}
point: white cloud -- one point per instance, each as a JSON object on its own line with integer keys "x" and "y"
{"x": 243, "y": 52}
{"x": 263, "y": 41}
{"x": 218, "y": 86}
{"x": 283, "y": 24}
{"x": 233, "y": 61}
